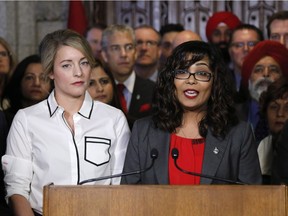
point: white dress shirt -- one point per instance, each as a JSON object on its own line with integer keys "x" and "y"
{"x": 265, "y": 154}
{"x": 129, "y": 84}
{"x": 41, "y": 149}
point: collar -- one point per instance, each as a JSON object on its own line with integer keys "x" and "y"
{"x": 129, "y": 83}
{"x": 85, "y": 110}
{"x": 154, "y": 76}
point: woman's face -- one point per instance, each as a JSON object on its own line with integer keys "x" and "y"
{"x": 193, "y": 94}
{"x": 277, "y": 114}
{"x": 71, "y": 73}
{"x": 34, "y": 87}
{"x": 4, "y": 60}
{"x": 100, "y": 86}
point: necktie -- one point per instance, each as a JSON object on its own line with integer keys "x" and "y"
{"x": 122, "y": 99}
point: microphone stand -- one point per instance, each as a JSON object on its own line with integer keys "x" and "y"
{"x": 153, "y": 154}
{"x": 175, "y": 155}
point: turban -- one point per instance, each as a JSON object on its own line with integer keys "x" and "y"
{"x": 265, "y": 48}
{"x": 231, "y": 20}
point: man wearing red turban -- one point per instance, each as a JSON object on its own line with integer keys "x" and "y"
{"x": 218, "y": 30}
{"x": 265, "y": 63}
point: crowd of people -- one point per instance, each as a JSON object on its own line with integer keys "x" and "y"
{"x": 103, "y": 103}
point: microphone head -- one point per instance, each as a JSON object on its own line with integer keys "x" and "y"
{"x": 154, "y": 153}
{"x": 175, "y": 153}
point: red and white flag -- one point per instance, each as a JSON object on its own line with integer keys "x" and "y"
{"x": 77, "y": 19}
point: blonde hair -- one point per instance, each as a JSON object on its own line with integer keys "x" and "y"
{"x": 12, "y": 58}
{"x": 52, "y": 42}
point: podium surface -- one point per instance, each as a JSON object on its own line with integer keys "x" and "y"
{"x": 166, "y": 200}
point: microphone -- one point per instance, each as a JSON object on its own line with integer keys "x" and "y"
{"x": 153, "y": 155}
{"x": 175, "y": 155}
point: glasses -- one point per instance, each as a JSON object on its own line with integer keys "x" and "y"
{"x": 199, "y": 75}
{"x": 4, "y": 54}
{"x": 117, "y": 48}
{"x": 272, "y": 69}
{"x": 241, "y": 45}
{"x": 148, "y": 43}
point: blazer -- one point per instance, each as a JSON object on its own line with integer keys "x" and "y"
{"x": 141, "y": 101}
{"x": 234, "y": 157}
{"x": 280, "y": 159}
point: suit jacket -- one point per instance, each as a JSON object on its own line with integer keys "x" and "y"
{"x": 141, "y": 101}
{"x": 234, "y": 158}
{"x": 3, "y": 135}
{"x": 280, "y": 159}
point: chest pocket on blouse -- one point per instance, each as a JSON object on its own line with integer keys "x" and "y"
{"x": 97, "y": 150}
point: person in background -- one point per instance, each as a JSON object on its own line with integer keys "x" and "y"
{"x": 168, "y": 33}
{"x": 273, "y": 107}
{"x": 67, "y": 138}
{"x": 218, "y": 31}
{"x": 184, "y": 36}
{"x": 148, "y": 52}
{"x": 93, "y": 36}
{"x": 119, "y": 53}
{"x": 102, "y": 86}
{"x": 243, "y": 39}
{"x": 277, "y": 27}
{"x": 4, "y": 209}
{"x": 27, "y": 86}
{"x": 280, "y": 159}
{"x": 193, "y": 113}
{"x": 7, "y": 64}
{"x": 264, "y": 64}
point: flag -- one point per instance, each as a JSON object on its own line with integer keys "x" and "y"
{"x": 77, "y": 19}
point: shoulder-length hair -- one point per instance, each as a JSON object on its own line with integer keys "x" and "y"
{"x": 276, "y": 90}
{"x": 52, "y": 42}
{"x": 220, "y": 114}
{"x": 13, "y": 92}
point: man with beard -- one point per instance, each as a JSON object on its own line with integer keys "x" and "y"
{"x": 264, "y": 64}
{"x": 218, "y": 31}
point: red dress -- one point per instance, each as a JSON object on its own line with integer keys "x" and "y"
{"x": 191, "y": 152}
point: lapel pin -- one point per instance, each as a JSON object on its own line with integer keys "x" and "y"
{"x": 138, "y": 97}
{"x": 216, "y": 150}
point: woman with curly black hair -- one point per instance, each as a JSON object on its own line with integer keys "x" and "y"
{"x": 194, "y": 119}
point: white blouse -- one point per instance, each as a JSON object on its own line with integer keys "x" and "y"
{"x": 41, "y": 149}
{"x": 265, "y": 153}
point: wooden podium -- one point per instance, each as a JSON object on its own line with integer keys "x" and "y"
{"x": 165, "y": 200}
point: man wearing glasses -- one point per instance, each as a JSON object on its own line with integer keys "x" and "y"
{"x": 148, "y": 52}
{"x": 242, "y": 41}
{"x": 119, "y": 52}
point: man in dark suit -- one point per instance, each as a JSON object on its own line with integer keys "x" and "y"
{"x": 119, "y": 53}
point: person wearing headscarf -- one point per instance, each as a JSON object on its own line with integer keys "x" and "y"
{"x": 219, "y": 28}
{"x": 266, "y": 63}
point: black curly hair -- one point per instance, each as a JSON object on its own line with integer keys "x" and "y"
{"x": 220, "y": 115}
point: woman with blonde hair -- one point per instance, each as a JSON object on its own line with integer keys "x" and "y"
{"x": 7, "y": 64}
{"x": 67, "y": 138}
